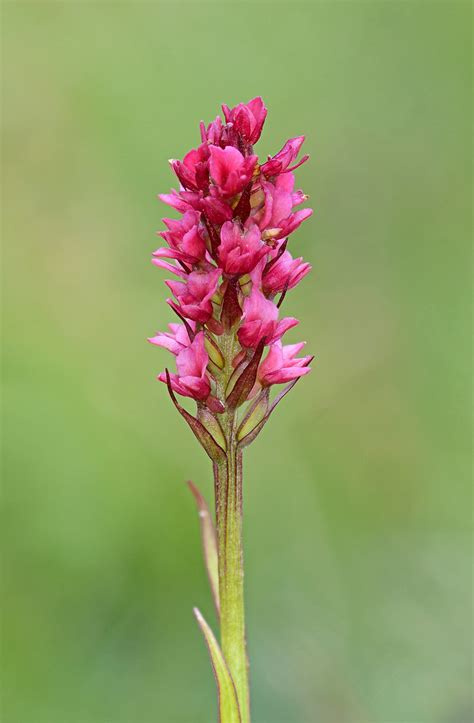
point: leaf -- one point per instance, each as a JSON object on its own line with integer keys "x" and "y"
{"x": 231, "y": 311}
{"x": 211, "y": 423}
{"x": 243, "y": 208}
{"x": 209, "y": 543}
{"x": 251, "y": 436}
{"x": 238, "y": 369}
{"x": 245, "y": 382}
{"x": 206, "y": 440}
{"x": 228, "y": 705}
{"x": 254, "y": 415}
{"x": 214, "y": 352}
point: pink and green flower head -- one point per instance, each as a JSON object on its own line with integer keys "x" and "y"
{"x": 229, "y": 252}
{"x": 230, "y": 256}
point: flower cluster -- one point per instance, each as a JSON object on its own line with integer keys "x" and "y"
{"x": 228, "y": 254}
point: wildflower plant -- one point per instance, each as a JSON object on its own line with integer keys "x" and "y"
{"x": 232, "y": 270}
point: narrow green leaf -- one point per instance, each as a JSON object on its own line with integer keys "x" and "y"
{"x": 206, "y": 440}
{"x": 254, "y": 414}
{"x": 245, "y": 382}
{"x": 209, "y": 543}
{"x": 228, "y": 705}
{"x": 211, "y": 423}
{"x": 214, "y": 353}
{"x": 244, "y": 441}
{"x": 234, "y": 377}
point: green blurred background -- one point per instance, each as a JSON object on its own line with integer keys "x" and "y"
{"x": 357, "y": 494}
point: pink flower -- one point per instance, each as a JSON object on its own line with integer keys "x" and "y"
{"x": 240, "y": 250}
{"x": 193, "y": 171}
{"x": 275, "y": 212}
{"x": 194, "y": 295}
{"x": 175, "y": 200}
{"x": 213, "y": 133}
{"x": 284, "y": 272}
{"x": 185, "y": 241}
{"x": 162, "y": 264}
{"x": 280, "y": 163}
{"x": 281, "y": 366}
{"x": 247, "y": 119}
{"x": 227, "y": 257}
{"x": 230, "y": 171}
{"x": 243, "y": 126}
{"x": 216, "y": 210}
{"x": 278, "y": 201}
{"x": 293, "y": 222}
{"x": 191, "y": 363}
{"x": 260, "y": 320}
{"x": 175, "y": 340}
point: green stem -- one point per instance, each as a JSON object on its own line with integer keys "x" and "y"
{"x": 228, "y": 481}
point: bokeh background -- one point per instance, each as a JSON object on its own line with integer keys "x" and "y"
{"x": 357, "y": 494}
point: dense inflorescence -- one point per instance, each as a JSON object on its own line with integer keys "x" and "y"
{"x": 228, "y": 254}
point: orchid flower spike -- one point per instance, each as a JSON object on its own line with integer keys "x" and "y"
{"x": 228, "y": 250}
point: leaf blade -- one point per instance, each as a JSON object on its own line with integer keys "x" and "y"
{"x": 206, "y": 440}
{"x": 246, "y": 380}
{"x": 209, "y": 543}
{"x": 228, "y": 705}
{"x": 254, "y": 415}
{"x": 245, "y": 441}
{"x": 231, "y": 310}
